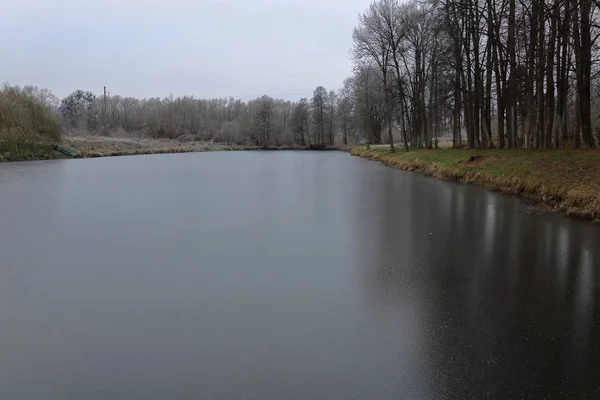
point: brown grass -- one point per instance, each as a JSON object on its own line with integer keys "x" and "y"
{"x": 99, "y": 146}
{"x": 102, "y": 146}
{"x": 561, "y": 181}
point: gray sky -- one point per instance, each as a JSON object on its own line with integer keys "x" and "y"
{"x": 204, "y": 48}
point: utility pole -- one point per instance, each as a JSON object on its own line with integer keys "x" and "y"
{"x": 104, "y": 108}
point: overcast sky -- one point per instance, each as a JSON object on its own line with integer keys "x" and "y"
{"x": 204, "y": 48}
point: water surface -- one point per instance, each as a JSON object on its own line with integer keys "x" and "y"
{"x": 286, "y": 275}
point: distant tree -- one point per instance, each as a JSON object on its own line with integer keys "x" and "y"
{"x": 283, "y": 110}
{"x": 263, "y": 120}
{"x": 44, "y": 96}
{"x": 77, "y": 109}
{"x": 369, "y": 104}
{"x": 301, "y": 121}
{"x": 331, "y": 103}
{"x": 345, "y": 109}
{"x": 319, "y": 104}
{"x": 230, "y": 132}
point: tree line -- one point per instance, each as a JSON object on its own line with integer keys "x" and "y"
{"x": 322, "y": 120}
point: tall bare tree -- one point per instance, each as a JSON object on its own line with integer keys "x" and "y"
{"x": 372, "y": 42}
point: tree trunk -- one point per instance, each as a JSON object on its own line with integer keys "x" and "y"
{"x": 511, "y": 92}
{"x": 468, "y": 101}
{"x": 388, "y": 111}
{"x": 550, "y": 100}
{"x": 585, "y": 69}
{"x": 579, "y": 69}
{"x": 500, "y": 93}
{"x": 487, "y": 121}
{"x": 539, "y": 80}
{"x": 331, "y": 126}
{"x": 478, "y": 79}
{"x": 528, "y": 140}
{"x": 563, "y": 77}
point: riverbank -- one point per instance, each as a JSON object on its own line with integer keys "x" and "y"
{"x": 563, "y": 181}
{"x": 102, "y": 146}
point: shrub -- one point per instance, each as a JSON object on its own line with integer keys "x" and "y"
{"x": 27, "y": 127}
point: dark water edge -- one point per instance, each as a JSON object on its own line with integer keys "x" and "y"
{"x": 269, "y": 275}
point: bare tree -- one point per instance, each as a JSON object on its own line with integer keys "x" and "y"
{"x": 319, "y": 114}
{"x": 345, "y": 109}
{"x": 372, "y": 42}
{"x": 263, "y": 120}
{"x": 301, "y": 121}
{"x": 331, "y": 104}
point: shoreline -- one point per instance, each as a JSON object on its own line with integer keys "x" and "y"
{"x": 102, "y": 146}
{"x": 573, "y": 190}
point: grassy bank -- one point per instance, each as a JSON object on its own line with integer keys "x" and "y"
{"x": 561, "y": 181}
{"x": 19, "y": 148}
{"x": 102, "y": 146}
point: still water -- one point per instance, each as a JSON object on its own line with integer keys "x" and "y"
{"x": 286, "y": 275}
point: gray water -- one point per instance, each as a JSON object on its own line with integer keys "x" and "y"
{"x": 286, "y": 275}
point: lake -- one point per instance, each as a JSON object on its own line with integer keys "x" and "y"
{"x": 286, "y": 275}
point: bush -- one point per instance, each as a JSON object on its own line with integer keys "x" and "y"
{"x": 26, "y": 126}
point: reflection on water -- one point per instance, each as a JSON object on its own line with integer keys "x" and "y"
{"x": 286, "y": 275}
{"x": 494, "y": 297}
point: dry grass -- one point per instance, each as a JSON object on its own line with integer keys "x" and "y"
{"x": 564, "y": 181}
{"x": 101, "y": 146}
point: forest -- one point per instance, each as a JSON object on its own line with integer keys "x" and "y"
{"x": 506, "y": 73}
{"x": 481, "y": 74}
